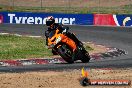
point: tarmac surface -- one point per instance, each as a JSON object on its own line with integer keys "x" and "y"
{"x": 119, "y": 37}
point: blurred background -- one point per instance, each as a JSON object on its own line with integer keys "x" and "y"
{"x": 68, "y": 6}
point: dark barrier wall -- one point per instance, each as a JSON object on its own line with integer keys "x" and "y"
{"x": 39, "y": 18}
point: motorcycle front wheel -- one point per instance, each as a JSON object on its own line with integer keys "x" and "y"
{"x": 66, "y": 53}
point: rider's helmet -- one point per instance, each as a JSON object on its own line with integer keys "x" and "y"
{"x": 50, "y": 20}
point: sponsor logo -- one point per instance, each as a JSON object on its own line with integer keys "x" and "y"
{"x": 13, "y": 18}
{"x": 85, "y": 81}
{"x": 123, "y": 20}
{"x": 114, "y": 20}
{"x": 126, "y": 20}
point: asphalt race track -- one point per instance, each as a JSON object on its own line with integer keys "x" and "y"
{"x": 119, "y": 37}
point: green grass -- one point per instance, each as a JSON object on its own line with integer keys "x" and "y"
{"x": 126, "y": 9}
{"x": 15, "y": 47}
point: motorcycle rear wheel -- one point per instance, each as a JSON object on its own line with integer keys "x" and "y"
{"x": 85, "y": 58}
{"x": 84, "y": 55}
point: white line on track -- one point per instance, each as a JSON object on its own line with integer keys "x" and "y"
{"x": 20, "y": 35}
{"x": 35, "y": 36}
{"x": 4, "y": 33}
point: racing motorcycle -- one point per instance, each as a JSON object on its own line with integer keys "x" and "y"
{"x": 66, "y": 47}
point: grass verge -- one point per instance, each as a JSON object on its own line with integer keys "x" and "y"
{"x": 125, "y": 9}
{"x": 15, "y": 47}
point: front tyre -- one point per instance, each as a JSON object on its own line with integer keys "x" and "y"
{"x": 66, "y": 53}
{"x": 54, "y": 52}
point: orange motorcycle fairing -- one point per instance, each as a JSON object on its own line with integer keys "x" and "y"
{"x": 66, "y": 47}
{"x": 64, "y": 39}
{"x": 69, "y": 42}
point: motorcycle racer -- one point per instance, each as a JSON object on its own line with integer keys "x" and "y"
{"x": 50, "y": 23}
{"x": 64, "y": 43}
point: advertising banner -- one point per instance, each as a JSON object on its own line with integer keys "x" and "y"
{"x": 66, "y": 19}
{"x": 40, "y": 18}
{"x": 123, "y": 20}
{"x": 104, "y": 19}
{"x": 1, "y": 18}
{"x": 112, "y": 20}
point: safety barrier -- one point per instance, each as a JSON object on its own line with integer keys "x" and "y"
{"x": 1, "y": 18}
{"x": 66, "y": 19}
{"x": 39, "y": 18}
{"x": 112, "y": 20}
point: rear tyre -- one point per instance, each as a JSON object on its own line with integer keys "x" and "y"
{"x": 66, "y": 53}
{"x": 85, "y": 58}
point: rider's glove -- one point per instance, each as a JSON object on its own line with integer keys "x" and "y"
{"x": 64, "y": 31}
